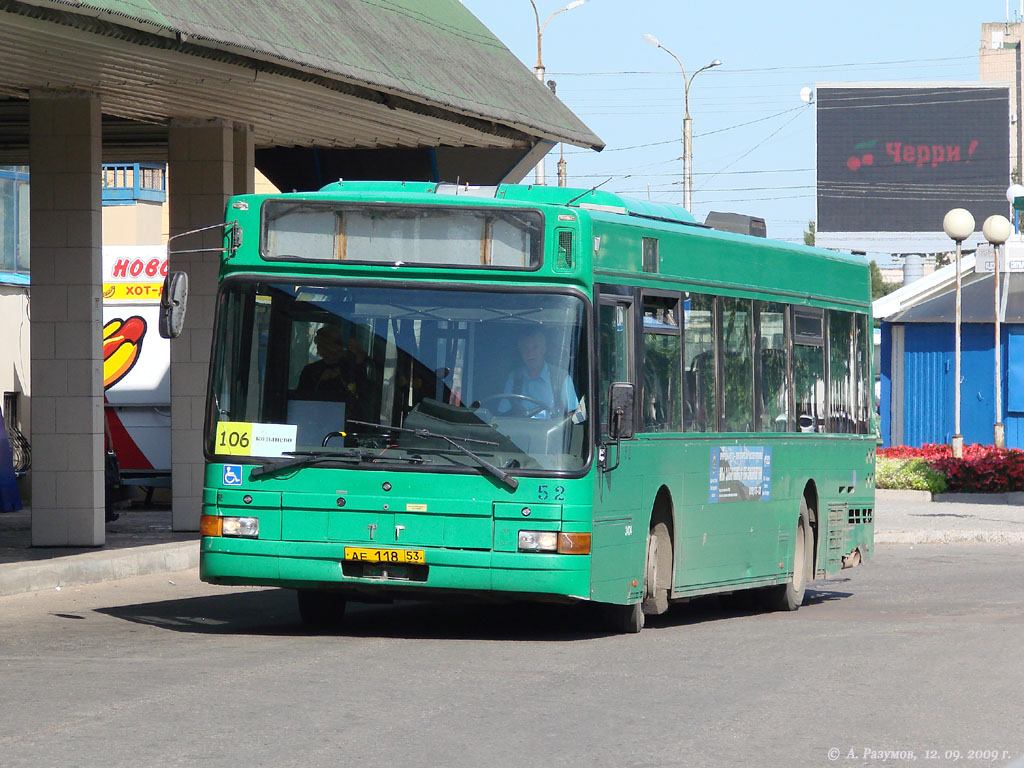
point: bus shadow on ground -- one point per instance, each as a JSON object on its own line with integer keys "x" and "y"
{"x": 738, "y": 605}
{"x": 273, "y": 612}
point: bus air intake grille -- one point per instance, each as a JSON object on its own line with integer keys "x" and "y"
{"x": 861, "y": 516}
{"x": 837, "y": 517}
{"x": 564, "y": 261}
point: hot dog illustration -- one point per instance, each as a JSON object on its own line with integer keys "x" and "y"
{"x": 122, "y": 344}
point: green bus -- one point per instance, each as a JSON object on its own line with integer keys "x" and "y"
{"x": 422, "y": 390}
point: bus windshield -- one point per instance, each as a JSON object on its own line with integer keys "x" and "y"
{"x": 394, "y": 374}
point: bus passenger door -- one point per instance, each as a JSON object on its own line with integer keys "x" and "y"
{"x": 620, "y": 530}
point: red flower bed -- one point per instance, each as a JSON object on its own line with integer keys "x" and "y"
{"x": 983, "y": 469}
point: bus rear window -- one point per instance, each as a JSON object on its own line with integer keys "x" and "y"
{"x": 402, "y": 234}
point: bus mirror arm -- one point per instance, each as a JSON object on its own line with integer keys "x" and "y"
{"x": 604, "y": 456}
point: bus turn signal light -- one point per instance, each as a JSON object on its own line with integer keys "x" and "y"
{"x": 574, "y": 543}
{"x": 210, "y": 525}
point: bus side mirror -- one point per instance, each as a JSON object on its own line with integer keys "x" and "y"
{"x": 172, "y": 304}
{"x": 620, "y": 410}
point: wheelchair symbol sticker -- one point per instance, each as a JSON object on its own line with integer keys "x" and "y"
{"x": 232, "y": 474}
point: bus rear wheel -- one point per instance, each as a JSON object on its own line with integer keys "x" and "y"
{"x": 789, "y": 596}
{"x": 321, "y": 610}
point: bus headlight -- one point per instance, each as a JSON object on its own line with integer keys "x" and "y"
{"x": 238, "y": 527}
{"x": 245, "y": 527}
{"x": 538, "y": 541}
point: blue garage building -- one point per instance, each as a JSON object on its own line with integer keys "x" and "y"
{"x": 917, "y": 358}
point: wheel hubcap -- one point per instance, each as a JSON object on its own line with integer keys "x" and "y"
{"x": 799, "y": 566}
{"x": 651, "y": 577}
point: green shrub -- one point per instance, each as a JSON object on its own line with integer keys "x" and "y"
{"x": 908, "y": 475}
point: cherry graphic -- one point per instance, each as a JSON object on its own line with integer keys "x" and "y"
{"x": 853, "y": 163}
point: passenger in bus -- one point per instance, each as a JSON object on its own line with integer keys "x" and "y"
{"x": 339, "y": 374}
{"x": 547, "y": 391}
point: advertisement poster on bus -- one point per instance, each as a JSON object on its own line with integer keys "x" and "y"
{"x": 136, "y": 359}
{"x": 740, "y": 473}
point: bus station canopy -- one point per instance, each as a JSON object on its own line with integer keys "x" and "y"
{"x": 306, "y": 73}
{"x": 977, "y": 303}
{"x": 932, "y": 299}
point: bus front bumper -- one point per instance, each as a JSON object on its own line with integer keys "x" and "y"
{"x": 302, "y": 565}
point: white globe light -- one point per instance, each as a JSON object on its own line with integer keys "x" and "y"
{"x": 997, "y": 229}
{"x": 1013, "y": 192}
{"x": 958, "y": 224}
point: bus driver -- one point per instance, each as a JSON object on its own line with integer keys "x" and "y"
{"x": 545, "y": 390}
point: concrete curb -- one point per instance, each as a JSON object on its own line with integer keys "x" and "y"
{"x": 95, "y": 567}
{"x": 949, "y": 537}
{"x": 980, "y": 498}
{"x": 886, "y": 494}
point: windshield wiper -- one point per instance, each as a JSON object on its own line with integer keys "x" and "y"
{"x": 308, "y": 458}
{"x": 492, "y": 470}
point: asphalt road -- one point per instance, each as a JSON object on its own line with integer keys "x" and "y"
{"x": 919, "y": 651}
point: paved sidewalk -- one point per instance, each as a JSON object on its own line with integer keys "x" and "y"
{"x": 139, "y": 542}
{"x": 142, "y": 541}
{"x": 902, "y": 519}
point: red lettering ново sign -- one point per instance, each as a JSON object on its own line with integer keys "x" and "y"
{"x": 124, "y": 268}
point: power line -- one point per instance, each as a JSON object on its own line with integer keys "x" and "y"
{"x": 791, "y": 68}
{"x": 697, "y": 136}
{"x": 759, "y": 144}
{"x": 698, "y": 173}
{"x": 750, "y": 122}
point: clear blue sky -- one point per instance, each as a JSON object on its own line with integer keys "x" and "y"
{"x": 630, "y": 93}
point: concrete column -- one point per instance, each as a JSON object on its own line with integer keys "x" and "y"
{"x": 245, "y": 160}
{"x": 200, "y": 180}
{"x": 67, "y": 383}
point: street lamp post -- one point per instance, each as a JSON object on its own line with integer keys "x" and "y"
{"x": 997, "y": 230}
{"x": 538, "y": 69}
{"x": 958, "y": 225}
{"x": 687, "y": 122}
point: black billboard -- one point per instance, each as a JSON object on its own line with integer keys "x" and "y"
{"x": 897, "y": 158}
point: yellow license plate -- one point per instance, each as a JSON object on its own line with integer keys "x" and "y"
{"x": 413, "y": 556}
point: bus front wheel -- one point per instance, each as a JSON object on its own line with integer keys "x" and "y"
{"x": 658, "y": 570}
{"x": 321, "y": 610}
{"x": 622, "y": 619}
{"x": 789, "y": 596}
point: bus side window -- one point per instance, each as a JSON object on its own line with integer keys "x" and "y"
{"x": 661, "y": 388}
{"x": 773, "y": 380}
{"x": 865, "y": 379}
{"x": 809, "y": 368}
{"x": 737, "y": 366}
{"x": 842, "y": 395}
{"x": 615, "y": 350}
{"x": 700, "y": 406}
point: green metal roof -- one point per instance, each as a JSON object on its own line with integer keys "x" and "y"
{"x": 432, "y": 51}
